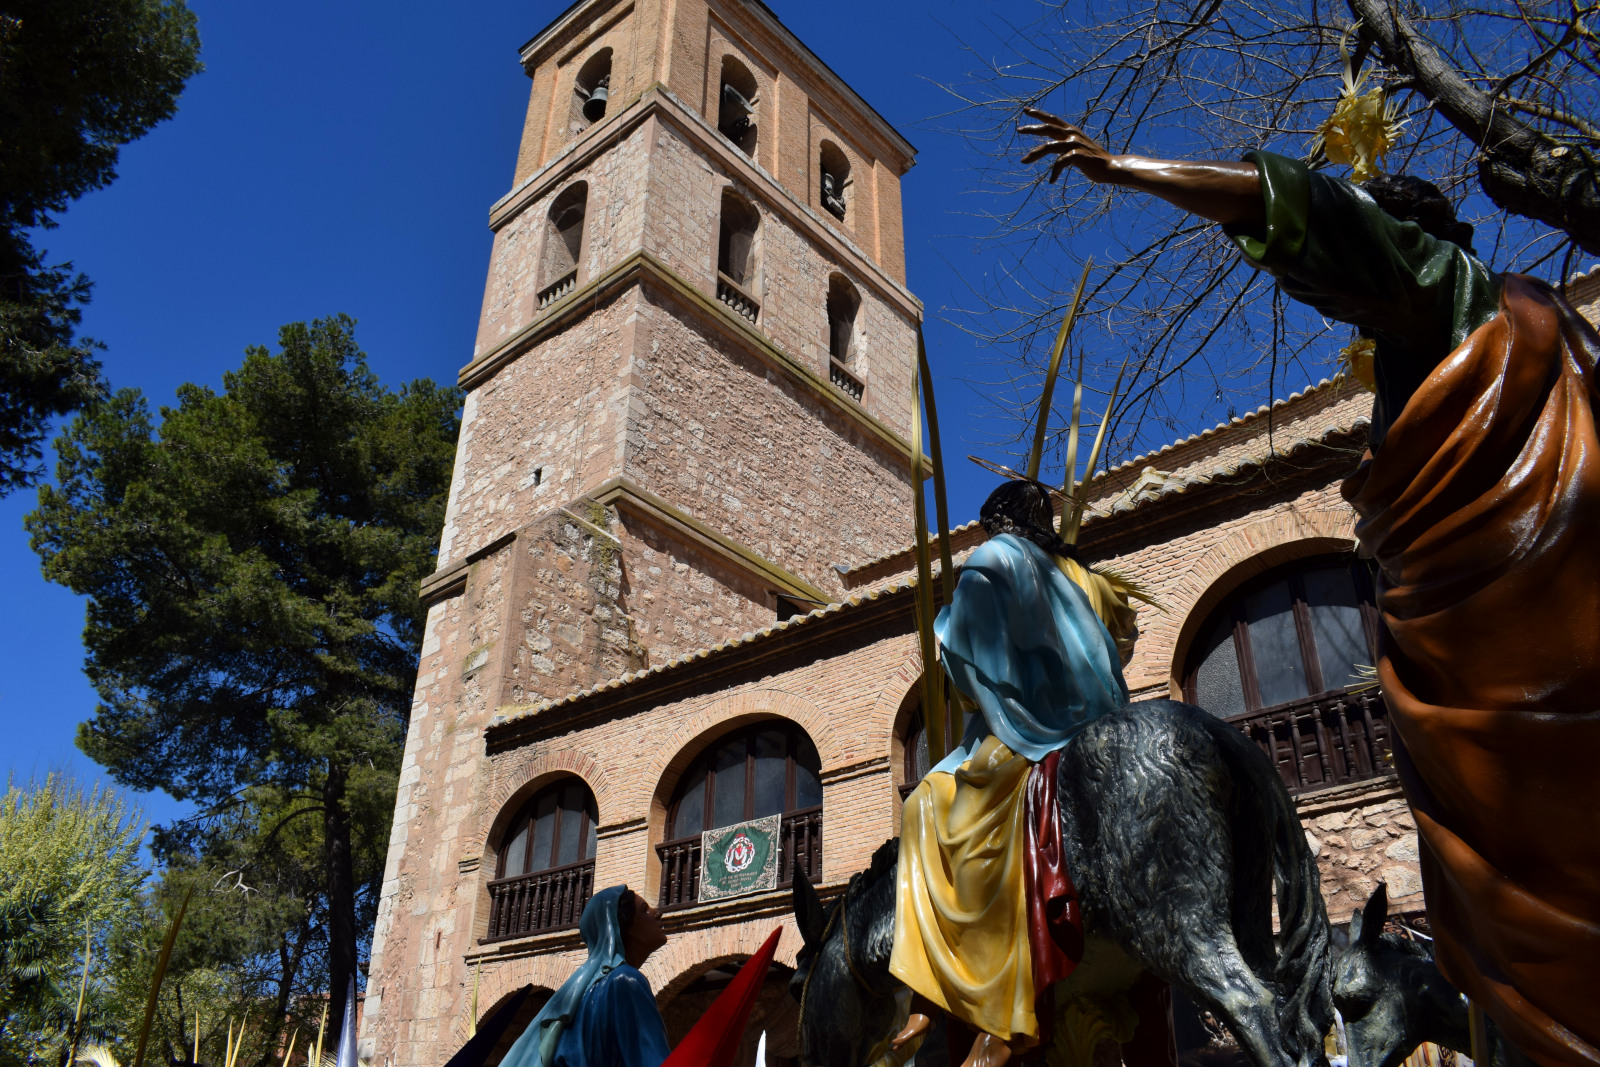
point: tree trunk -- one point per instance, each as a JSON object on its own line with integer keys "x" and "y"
{"x": 291, "y": 947}
{"x": 341, "y": 896}
{"x": 1520, "y": 169}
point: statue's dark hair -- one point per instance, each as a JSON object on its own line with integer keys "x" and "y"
{"x": 625, "y": 908}
{"x": 1022, "y": 508}
{"x": 1412, "y": 199}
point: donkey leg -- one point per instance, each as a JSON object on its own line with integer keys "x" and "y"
{"x": 1144, "y": 807}
{"x": 1215, "y": 974}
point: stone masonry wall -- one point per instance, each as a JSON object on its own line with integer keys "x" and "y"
{"x": 1363, "y": 834}
{"x": 557, "y": 411}
{"x": 568, "y": 626}
{"x": 613, "y": 227}
{"x": 680, "y": 598}
{"x": 416, "y": 944}
{"x": 540, "y": 615}
{"x": 720, "y": 434}
{"x": 792, "y": 273}
{"x": 793, "y": 105}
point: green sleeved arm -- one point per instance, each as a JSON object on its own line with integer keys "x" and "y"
{"x": 1329, "y": 245}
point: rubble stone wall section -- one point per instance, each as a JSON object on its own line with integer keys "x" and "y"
{"x": 680, "y": 597}
{"x": 541, "y": 614}
{"x": 1363, "y": 834}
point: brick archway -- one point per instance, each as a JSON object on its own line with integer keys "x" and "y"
{"x": 533, "y": 771}
{"x": 703, "y": 726}
{"x": 687, "y": 956}
{"x": 1246, "y": 552}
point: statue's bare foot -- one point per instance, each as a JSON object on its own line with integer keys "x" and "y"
{"x": 918, "y": 1024}
{"x": 988, "y": 1051}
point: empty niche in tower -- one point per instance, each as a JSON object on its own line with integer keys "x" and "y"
{"x": 844, "y": 305}
{"x": 835, "y": 179}
{"x": 563, "y": 243}
{"x": 591, "y": 91}
{"x": 736, "y": 255}
{"x": 736, "y": 105}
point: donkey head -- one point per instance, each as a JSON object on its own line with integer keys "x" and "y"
{"x": 841, "y": 977}
{"x": 1391, "y": 995}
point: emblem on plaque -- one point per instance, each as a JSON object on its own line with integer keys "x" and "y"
{"x": 739, "y": 859}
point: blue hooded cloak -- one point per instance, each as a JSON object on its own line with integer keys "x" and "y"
{"x": 1021, "y": 641}
{"x": 604, "y": 1014}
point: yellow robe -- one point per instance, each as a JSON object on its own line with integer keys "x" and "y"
{"x": 960, "y": 929}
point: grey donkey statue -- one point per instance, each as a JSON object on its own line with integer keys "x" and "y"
{"x": 1393, "y": 998}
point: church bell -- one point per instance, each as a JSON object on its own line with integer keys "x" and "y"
{"x": 594, "y": 108}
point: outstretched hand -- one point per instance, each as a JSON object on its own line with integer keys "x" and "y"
{"x": 1229, "y": 193}
{"x": 1070, "y": 145}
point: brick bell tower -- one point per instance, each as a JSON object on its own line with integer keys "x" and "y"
{"x": 687, "y": 404}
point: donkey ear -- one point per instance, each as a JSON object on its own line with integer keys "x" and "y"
{"x": 1366, "y": 926}
{"x": 809, "y": 913}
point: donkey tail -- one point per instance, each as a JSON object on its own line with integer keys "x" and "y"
{"x": 1300, "y": 973}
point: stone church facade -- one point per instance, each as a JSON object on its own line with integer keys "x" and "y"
{"x": 674, "y": 586}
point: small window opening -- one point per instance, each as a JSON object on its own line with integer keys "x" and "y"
{"x": 538, "y": 476}
{"x": 788, "y": 608}
{"x": 591, "y": 91}
{"x": 737, "y": 238}
{"x": 563, "y": 243}
{"x": 843, "y": 305}
{"x": 835, "y": 180}
{"x": 736, "y": 105}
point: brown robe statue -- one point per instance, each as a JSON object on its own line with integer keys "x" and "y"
{"x": 1480, "y": 501}
{"x": 1479, "y": 498}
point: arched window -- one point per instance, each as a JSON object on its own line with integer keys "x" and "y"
{"x": 1282, "y": 658}
{"x": 563, "y": 243}
{"x": 844, "y": 304}
{"x": 768, "y": 769}
{"x": 1296, "y": 632}
{"x": 591, "y": 91}
{"x": 835, "y": 179}
{"x": 545, "y": 866}
{"x": 736, "y": 255}
{"x": 736, "y": 105}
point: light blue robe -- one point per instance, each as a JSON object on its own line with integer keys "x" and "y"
{"x": 1020, "y": 640}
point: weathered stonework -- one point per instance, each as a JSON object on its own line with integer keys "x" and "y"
{"x": 1363, "y": 834}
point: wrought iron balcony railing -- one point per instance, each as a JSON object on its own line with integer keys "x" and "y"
{"x": 544, "y": 900}
{"x": 799, "y": 842}
{"x": 1329, "y": 739}
{"x": 558, "y": 289}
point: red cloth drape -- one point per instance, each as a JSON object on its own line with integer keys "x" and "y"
{"x": 714, "y": 1040}
{"x": 1055, "y": 929}
{"x": 1055, "y": 921}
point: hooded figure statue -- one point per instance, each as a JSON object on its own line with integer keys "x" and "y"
{"x": 604, "y": 1014}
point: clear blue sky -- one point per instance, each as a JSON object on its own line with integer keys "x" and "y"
{"x": 341, "y": 156}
